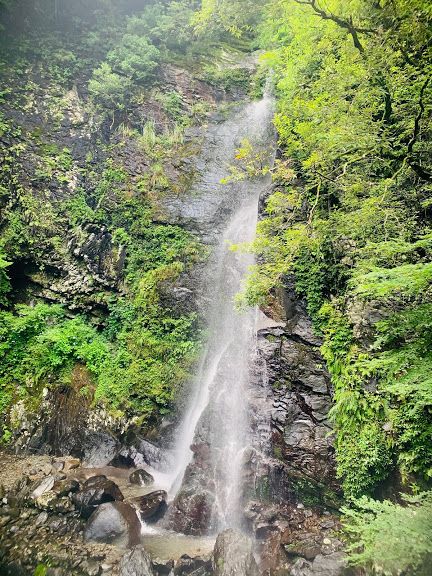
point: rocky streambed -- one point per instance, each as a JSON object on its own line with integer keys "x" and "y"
{"x": 61, "y": 518}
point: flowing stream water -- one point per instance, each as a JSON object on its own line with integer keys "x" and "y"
{"x": 217, "y": 409}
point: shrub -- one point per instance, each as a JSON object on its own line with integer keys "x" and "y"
{"x": 108, "y": 89}
{"x": 391, "y": 539}
{"x": 135, "y": 58}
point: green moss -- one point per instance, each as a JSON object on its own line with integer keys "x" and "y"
{"x": 312, "y": 493}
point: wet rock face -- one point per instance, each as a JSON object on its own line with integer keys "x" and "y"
{"x": 151, "y": 506}
{"x": 93, "y": 244}
{"x": 93, "y": 263}
{"x": 95, "y": 491}
{"x": 136, "y": 562}
{"x": 140, "y": 453}
{"x": 114, "y": 523}
{"x": 301, "y": 398}
{"x": 233, "y": 556}
{"x": 191, "y": 511}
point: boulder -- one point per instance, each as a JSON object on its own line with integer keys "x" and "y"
{"x": 46, "y": 501}
{"x": 99, "y": 448}
{"x": 191, "y": 511}
{"x": 330, "y": 565}
{"x": 136, "y": 562}
{"x": 95, "y": 491}
{"x": 197, "y": 566}
{"x": 301, "y": 567}
{"x": 233, "y": 555}
{"x": 151, "y": 506}
{"x": 114, "y": 523}
{"x": 141, "y": 477}
{"x": 163, "y": 567}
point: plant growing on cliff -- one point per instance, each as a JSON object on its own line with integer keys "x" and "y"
{"x": 4, "y": 278}
{"x": 250, "y": 162}
{"x": 108, "y": 89}
{"x": 135, "y": 58}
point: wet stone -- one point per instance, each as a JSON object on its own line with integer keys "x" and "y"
{"x": 233, "y": 555}
{"x": 136, "y": 562}
{"x": 114, "y": 523}
{"x": 141, "y": 477}
{"x": 151, "y": 506}
{"x": 66, "y": 486}
{"x": 96, "y": 490}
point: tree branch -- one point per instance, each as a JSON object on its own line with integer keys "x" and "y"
{"x": 346, "y": 24}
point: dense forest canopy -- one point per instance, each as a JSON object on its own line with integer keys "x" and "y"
{"x": 349, "y": 216}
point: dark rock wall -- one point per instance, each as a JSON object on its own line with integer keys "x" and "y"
{"x": 302, "y": 463}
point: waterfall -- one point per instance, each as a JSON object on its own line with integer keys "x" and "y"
{"x": 217, "y": 410}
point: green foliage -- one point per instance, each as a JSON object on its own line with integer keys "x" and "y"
{"x": 364, "y": 458}
{"x": 236, "y": 18}
{"x": 41, "y": 570}
{"x": 228, "y": 79}
{"x": 109, "y": 89}
{"x": 391, "y": 539}
{"x": 250, "y": 162}
{"x": 172, "y": 102}
{"x": 78, "y": 210}
{"x": 135, "y": 58}
{"x": 348, "y": 218}
{"x": 406, "y": 280}
{"x": 4, "y": 279}
{"x": 167, "y": 25}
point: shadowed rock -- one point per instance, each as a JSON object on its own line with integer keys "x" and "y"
{"x": 96, "y": 490}
{"x": 197, "y": 566}
{"x": 191, "y": 511}
{"x": 151, "y": 506}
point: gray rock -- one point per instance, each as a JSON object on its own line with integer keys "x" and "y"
{"x": 65, "y": 487}
{"x": 197, "y": 566}
{"x": 99, "y": 449}
{"x": 114, "y": 523}
{"x": 136, "y": 562}
{"x": 301, "y": 568}
{"x": 41, "y": 519}
{"x": 331, "y": 565}
{"x": 190, "y": 513}
{"x": 44, "y": 486}
{"x": 141, "y": 477}
{"x": 233, "y": 556}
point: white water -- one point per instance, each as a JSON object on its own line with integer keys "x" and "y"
{"x": 217, "y": 411}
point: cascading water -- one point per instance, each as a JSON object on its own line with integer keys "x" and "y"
{"x": 216, "y": 417}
